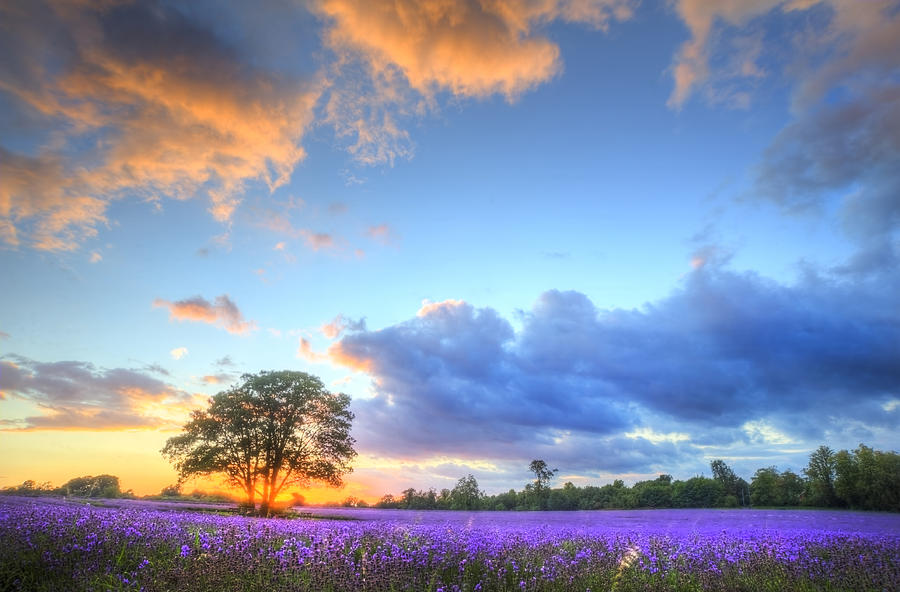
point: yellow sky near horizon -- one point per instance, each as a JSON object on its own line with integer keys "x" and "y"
{"x": 133, "y": 456}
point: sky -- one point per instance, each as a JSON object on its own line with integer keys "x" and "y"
{"x": 623, "y": 237}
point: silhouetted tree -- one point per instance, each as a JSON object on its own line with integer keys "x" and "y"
{"x": 100, "y": 486}
{"x": 275, "y": 429}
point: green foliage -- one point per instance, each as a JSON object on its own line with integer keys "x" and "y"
{"x": 106, "y": 486}
{"x": 736, "y": 490}
{"x": 274, "y": 430}
{"x": 868, "y": 479}
{"x": 765, "y": 488}
{"x": 466, "y": 495}
{"x": 820, "y": 474}
{"x": 540, "y": 488}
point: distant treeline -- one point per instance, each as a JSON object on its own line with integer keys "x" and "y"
{"x": 107, "y": 487}
{"x": 863, "y": 479}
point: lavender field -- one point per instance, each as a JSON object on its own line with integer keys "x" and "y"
{"x": 58, "y": 545}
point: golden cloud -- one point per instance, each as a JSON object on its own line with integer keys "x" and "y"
{"x": 413, "y": 49}
{"x": 222, "y": 312}
{"x": 145, "y": 104}
{"x": 306, "y": 352}
{"x": 469, "y": 48}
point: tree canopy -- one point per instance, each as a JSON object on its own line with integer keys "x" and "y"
{"x": 274, "y": 430}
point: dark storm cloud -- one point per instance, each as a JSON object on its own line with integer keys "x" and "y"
{"x": 725, "y": 349}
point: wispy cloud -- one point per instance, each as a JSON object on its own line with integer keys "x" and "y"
{"x": 178, "y": 353}
{"x": 79, "y": 396}
{"x": 221, "y": 378}
{"x": 306, "y": 352}
{"x": 382, "y": 233}
{"x": 222, "y": 312}
{"x": 318, "y": 240}
{"x": 339, "y": 324}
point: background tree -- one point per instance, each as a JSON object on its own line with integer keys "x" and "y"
{"x": 765, "y": 487}
{"x": 542, "y": 477}
{"x": 466, "y": 495}
{"x": 820, "y": 473}
{"x": 792, "y": 488}
{"x": 100, "y": 486}
{"x": 274, "y": 430}
{"x": 737, "y": 491}
{"x": 868, "y": 479}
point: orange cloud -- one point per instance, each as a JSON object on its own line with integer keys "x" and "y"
{"x": 429, "y": 308}
{"x": 217, "y": 378}
{"x": 469, "y": 48}
{"x": 305, "y": 351}
{"x": 339, "y": 324}
{"x": 223, "y": 312}
{"x": 173, "y": 118}
{"x": 414, "y": 49}
{"x": 339, "y": 354}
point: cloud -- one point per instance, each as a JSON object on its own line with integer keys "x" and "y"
{"x": 410, "y": 51}
{"x": 306, "y": 352}
{"x": 220, "y": 378}
{"x": 339, "y": 324}
{"x": 138, "y": 100}
{"x": 727, "y": 358}
{"x": 223, "y": 313}
{"x": 225, "y": 362}
{"x": 178, "y": 353}
{"x": 841, "y": 151}
{"x": 4, "y": 335}
{"x": 844, "y": 145}
{"x": 78, "y": 395}
{"x": 691, "y": 66}
{"x": 381, "y": 233}
{"x": 96, "y": 257}
{"x": 317, "y": 240}
{"x": 852, "y": 147}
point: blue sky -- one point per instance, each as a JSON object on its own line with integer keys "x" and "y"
{"x": 624, "y": 237}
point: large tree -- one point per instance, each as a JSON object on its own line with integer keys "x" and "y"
{"x": 274, "y": 430}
